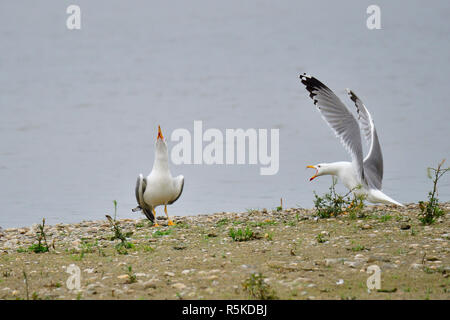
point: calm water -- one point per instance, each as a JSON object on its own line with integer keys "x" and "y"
{"x": 79, "y": 109}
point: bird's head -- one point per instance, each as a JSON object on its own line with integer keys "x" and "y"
{"x": 160, "y": 142}
{"x": 321, "y": 169}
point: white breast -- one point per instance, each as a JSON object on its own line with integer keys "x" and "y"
{"x": 160, "y": 190}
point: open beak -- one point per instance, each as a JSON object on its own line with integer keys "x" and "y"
{"x": 314, "y": 176}
{"x": 160, "y": 135}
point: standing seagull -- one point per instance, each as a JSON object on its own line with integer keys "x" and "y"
{"x": 159, "y": 188}
{"x": 363, "y": 176}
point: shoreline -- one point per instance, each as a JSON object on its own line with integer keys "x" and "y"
{"x": 298, "y": 255}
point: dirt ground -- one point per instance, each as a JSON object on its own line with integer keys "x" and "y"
{"x": 297, "y": 255}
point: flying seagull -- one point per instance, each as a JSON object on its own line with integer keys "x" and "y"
{"x": 159, "y": 187}
{"x": 362, "y": 175}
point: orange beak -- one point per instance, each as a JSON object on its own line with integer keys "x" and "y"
{"x": 314, "y": 176}
{"x": 160, "y": 135}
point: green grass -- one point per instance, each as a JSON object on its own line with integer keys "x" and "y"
{"x": 160, "y": 233}
{"x": 321, "y": 238}
{"x": 257, "y": 287}
{"x": 263, "y": 223}
{"x": 358, "y": 247}
{"x": 385, "y": 218}
{"x": 242, "y": 234}
{"x": 222, "y": 222}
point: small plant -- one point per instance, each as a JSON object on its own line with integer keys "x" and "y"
{"x": 222, "y": 222}
{"x": 159, "y": 233}
{"x": 280, "y": 207}
{"x": 264, "y": 223}
{"x": 148, "y": 248}
{"x": 42, "y": 245}
{"x": 385, "y": 218}
{"x": 242, "y": 234}
{"x": 25, "y": 280}
{"x": 358, "y": 247}
{"x": 257, "y": 288}
{"x": 430, "y": 209}
{"x": 321, "y": 238}
{"x": 131, "y": 275}
{"x": 334, "y": 204}
{"x": 123, "y": 245}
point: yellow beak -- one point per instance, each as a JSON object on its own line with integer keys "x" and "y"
{"x": 314, "y": 176}
{"x": 160, "y": 135}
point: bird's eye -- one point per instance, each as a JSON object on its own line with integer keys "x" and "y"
{"x": 319, "y": 166}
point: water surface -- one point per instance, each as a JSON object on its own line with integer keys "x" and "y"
{"x": 80, "y": 109}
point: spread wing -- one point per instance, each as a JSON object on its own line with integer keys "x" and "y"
{"x": 373, "y": 162}
{"x": 339, "y": 118}
{"x": 179, "y": 184}
{"x": 141, "y": 185}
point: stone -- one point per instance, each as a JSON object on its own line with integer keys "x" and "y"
{"x": 405, "y": 226}
{"x": 179, "y": 286}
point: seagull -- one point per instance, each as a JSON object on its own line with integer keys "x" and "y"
{"x": 363, "y": 176}
{"x": 159, "y": 187}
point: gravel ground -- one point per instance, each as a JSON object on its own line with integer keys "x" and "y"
{"x": 298, "y": 256}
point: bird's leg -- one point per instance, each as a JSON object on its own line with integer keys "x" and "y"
{"x": 154, "y": 215}
{"x": 169, "y": 222}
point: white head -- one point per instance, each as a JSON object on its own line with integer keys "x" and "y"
{"x": 161, "y": 153}
{"x": 322, "y": 169}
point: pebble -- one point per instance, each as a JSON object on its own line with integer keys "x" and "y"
{"x": 405, "y": 226}
{"x": 179, "y": 286}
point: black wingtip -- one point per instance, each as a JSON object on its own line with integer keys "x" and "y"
{"x": 352, "y": 95}
{"x": 312, "y": 85}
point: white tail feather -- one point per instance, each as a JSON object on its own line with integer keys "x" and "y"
{"x": 377, "y": 196}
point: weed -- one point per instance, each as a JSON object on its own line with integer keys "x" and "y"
{"x": 182, "y": 225}
{"x": 334, "y": 204}
{"x": 148, "y": 248}
{"x": 242, "y": 234}
{"x": 25, "y": 280}
{"x": 430, "y": 209}
{"x": 263, "y": 223}
{"x": 131, "y": 275}
{"x": 280, "y": 207}
{"x": 358, "y": 247}
{"x": 320, "y": 238}
{"x": 257, "y": 288}
{"x": 42, "y": 245}
{"x": 123, "y": 245}
{"x": 385, "y": 218}
{"x": 160, "y": 233}
{"x": 222, "y": 222}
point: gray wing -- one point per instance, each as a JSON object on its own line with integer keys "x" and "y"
{"x": 179, "y": 184}
{"x": 141, "y": 185}
{"x": 373, "y": 162}
{"x": 339, "y": 118}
